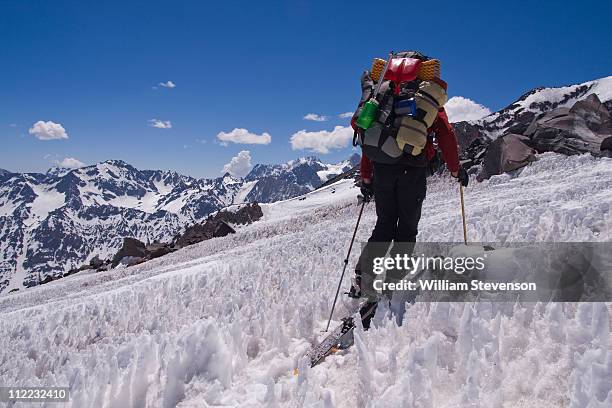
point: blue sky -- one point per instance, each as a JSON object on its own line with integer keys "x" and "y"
{"x": 91, "y": 67}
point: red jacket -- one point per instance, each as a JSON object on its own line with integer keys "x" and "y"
{"x": 446, "y": 140}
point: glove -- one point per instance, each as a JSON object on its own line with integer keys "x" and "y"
{"x": 366, "y": 190}
{"x": 462, "y": 177}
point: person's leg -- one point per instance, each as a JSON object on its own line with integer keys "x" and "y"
{"x": 411, "y": 189}
{"x": 386, "y": 206}
{"x": 384, "y": 230}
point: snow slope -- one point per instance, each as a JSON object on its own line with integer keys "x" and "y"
{"x": 224, "y": 322}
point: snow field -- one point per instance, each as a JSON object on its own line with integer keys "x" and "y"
{"x": 224, "y": 322}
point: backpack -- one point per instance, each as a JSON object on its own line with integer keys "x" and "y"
{"x": 408, "y": 102}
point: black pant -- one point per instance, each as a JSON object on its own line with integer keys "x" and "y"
{"x": 399, "y": 193}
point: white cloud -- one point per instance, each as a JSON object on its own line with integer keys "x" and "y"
{"x": 322, "y": 141}
{"x": 167, "y": 84}
{"x": 12, "y": 125}
{"x": 459, "y": 108}
{"x": 160, "y": 124}
{"x": 70, "y": 163}
{"x": 345, "y": 115}
{"x": 240, "y": 165}
{"x": 315, "y": 117}
{"x": 243, "y": 136}
{"x": 48, "y": 131}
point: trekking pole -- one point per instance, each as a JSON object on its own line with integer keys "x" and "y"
{"x": 346, "y": 260}
{"x": 463, "y": 214}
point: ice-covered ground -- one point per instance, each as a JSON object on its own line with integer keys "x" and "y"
{"x": 224, "y": 322}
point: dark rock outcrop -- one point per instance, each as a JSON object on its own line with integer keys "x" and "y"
{"x": 474, "y": 153}
{"x": 243, "y": 214}
{"x": 157, "y": 249}
{"x": 222, "y": 229}
{"x": 96, "y": 262}
{"x": 201, "y": 232}
{"x": 217, "y": 225}
{"x": 579, "y": 129}
{"x": 132, "y": 248}
{"x": 467, "y": 133}
{"x": 134, "y": 252}
{"x": 606, "y": 146}
{"x": 194, "y": 234}
{"x": 505, "y": 154}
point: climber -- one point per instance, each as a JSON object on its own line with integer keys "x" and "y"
{"x": 396, "y": 176}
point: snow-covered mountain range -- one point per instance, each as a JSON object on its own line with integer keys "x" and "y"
{"x": 52, "y": 222}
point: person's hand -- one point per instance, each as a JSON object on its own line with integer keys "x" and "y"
{"x": 461, "y": 176}
{"x": 366, "y": 189}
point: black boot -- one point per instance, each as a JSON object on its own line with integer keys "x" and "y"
{"x": 355, "y": 290}
{"x": 367, "y": 312}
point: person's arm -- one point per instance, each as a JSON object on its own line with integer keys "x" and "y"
{"x": 447, "y": 142}
{"x": 365, "y": 165}
{"x": 365, "y": 169}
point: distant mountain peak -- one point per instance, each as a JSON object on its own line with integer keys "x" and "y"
{"x": 116, "y": 162}
{"x": 309, "y": 159}
{"x": 230, "y": 179}
{"x": 58, "y": 171}
{"x": 302, "y": 161}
